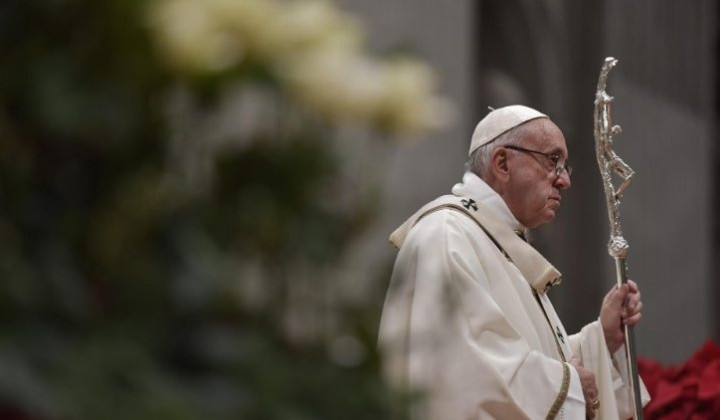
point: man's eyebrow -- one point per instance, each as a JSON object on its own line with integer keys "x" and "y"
{"x": 556, "y": 151}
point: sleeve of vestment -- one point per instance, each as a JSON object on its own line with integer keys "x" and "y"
{"x": 611, "y": 373}
{"x": 443, "y": 333}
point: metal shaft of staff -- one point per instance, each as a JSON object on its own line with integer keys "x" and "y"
{"x": 610, "y": 163}
{"x": 630, "y": 350}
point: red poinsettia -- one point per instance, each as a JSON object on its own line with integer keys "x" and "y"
{"x": 688, "y": 391}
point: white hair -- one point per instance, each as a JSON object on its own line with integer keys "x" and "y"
{"x": 480, "y": 158}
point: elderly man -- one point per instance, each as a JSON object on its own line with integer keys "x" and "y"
{"x": 467, "y": 321}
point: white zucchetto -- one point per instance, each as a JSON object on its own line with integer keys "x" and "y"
{"x": 499, "y": 121}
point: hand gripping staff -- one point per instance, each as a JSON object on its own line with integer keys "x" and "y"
{"x": 609, "y": 163}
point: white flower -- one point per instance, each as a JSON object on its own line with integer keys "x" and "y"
{"x": 336, "y": 83}
{"x": 308, "y": 25}
{"x": 191, "y": 38}
{"x": 253, "y": 21}
{"x": 409, "y": 103}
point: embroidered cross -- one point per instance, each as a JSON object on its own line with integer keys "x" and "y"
{"x": 469, "y": 203}
{"x": 560, "y": 334}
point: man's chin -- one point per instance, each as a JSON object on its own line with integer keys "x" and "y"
{"x": 553, "y": 207}
{"x": 549, "y": 216}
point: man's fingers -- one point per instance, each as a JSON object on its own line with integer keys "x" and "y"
{"x": 591, "y": 394}
{"x": 633, "y": 287}
{"x": 633, "y": 319}
{"x": 633, "y": 300}
{"x": 635, "y": 307}
{"x": 576, "y": 360}
{"x": 589, "y": 386}
{"x": 589, "y": 412}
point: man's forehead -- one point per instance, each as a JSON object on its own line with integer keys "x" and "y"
{"x": 546, "y": 134}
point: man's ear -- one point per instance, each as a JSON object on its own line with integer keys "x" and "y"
{"x": 499, "y": 164}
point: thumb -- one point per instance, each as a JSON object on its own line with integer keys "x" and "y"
{"x": 618, "y": 298}
{"x": 576, "y": 360}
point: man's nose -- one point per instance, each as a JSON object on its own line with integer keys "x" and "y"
{"x": 562, "y": 181}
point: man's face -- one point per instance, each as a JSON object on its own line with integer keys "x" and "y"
{"x": 533, "y": 191}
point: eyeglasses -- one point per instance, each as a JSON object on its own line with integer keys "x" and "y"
{"x": 553, "y": 157}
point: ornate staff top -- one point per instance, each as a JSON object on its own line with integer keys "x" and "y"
{"x": 609, "y": 161}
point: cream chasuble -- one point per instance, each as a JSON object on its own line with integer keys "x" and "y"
{"x": 467, "y": 321}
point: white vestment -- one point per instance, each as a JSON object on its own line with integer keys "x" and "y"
{"x": 468, "y": 324}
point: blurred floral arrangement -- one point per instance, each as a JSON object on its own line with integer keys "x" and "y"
{"x": 311, "y": 48}
{"x": 172, "y": 207}
{"x": 687, "y": 391}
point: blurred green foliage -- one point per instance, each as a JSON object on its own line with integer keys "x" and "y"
{"x": 122, "y": 288}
